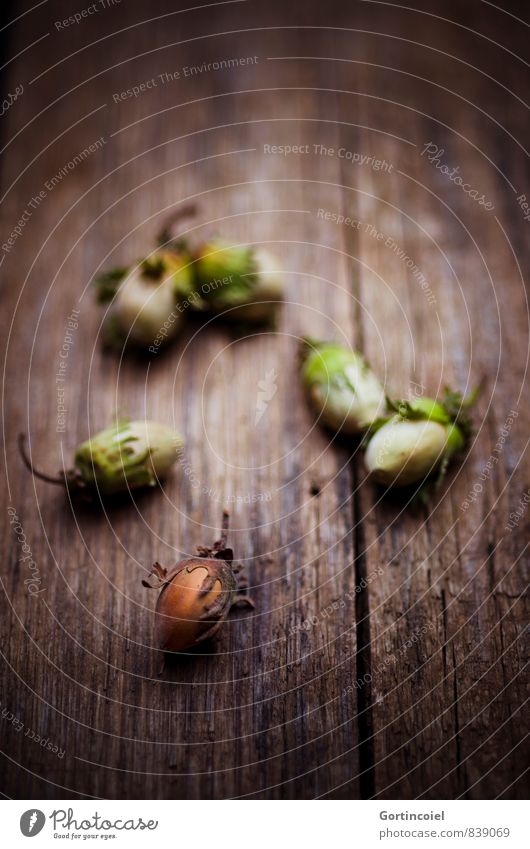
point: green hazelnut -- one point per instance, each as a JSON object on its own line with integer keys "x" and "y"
{"x": 127, "y": 455}
{"x": 217, "y": 260}
{"x": 421, "y": 437}
{"x": 143, "y": 300}
{"x": 242, "y": 282}
{"x": 403, "y": 452}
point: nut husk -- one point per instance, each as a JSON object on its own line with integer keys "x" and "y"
{"x": 143, "y": 299}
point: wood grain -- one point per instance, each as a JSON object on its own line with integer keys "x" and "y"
{"x": 385, "y": 657}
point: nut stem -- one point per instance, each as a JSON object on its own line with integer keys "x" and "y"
{"x": 165, "y": 236}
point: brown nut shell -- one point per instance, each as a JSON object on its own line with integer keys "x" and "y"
{"x": 194, "y": 602}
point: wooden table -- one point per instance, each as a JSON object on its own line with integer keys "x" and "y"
{"x": 385, "y": 656}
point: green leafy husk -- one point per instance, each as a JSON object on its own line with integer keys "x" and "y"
{"x": 121, "y": 456}
{"x": 341, "y": 386}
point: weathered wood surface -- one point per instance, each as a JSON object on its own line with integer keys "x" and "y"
{"x": 277, "y": 709}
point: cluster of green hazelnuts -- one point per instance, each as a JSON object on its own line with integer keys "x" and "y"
{"x": 406, "y": 441}
{"x": 148, "y": 302}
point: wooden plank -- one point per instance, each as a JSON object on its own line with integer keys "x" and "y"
{"x": 263, "y": 715}
{"x": 443, "y": 682}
